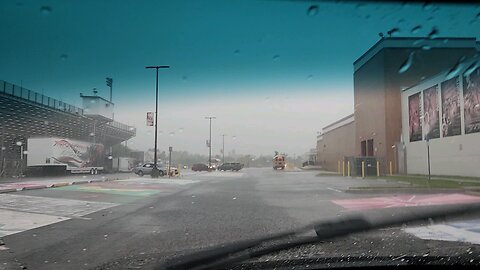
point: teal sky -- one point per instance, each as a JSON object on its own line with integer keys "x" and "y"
{"x": 271, "y": 57}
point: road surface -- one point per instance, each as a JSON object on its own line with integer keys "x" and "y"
{"x": 138, "y": 223}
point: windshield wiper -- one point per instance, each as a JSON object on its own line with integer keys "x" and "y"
{"x": 226, "y": 255}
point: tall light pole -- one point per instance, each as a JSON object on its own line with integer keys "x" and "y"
{"x": 223, "y": 147}
{"x": 155, "y": 171}
{"x": 210, "y": 141}
{"x": 109, "y": 82}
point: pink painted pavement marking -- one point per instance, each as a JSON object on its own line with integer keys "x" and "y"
{"x": 406, "y": 201}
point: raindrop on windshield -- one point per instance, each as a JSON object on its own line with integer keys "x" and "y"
{"x": 407, "y": 64}
{"x": 312, "y": 10}
{"x": 237, "y": 51}
{"x": 180, "y": 130}
{"x": 426, "y": 47}
{"x": 171, "y": 133}
{"x": 394, "y": 32}
{"x": 46, "y": 10}
{"x": 64, "y": 57}
{"x": 309, "y": 77}
{"x": 427, "y": 6}
{"x": 456, "y": 68}
{"x": 184, "y": 78}
{"x": 433, "y": 33}
{"x": 276, "y": 57}
{"x": 416, "y": 29}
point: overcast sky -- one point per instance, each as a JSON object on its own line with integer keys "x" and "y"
{"x": 272, "y": 72}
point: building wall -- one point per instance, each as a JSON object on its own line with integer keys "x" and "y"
{"x": 320, "y": 154}
{"x": 449, "y": 155}
{"x": 429, "y": 63}
{"x": 369, "y": 100}
{"x": 377, "y": 89}
{"x": 336, "y": 144}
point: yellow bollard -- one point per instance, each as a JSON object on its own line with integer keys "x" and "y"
{"x": 378, "y": 168}
{"x": 348, "y": 167}
{"x": 391, "y": 169}
{"x": 363, "y": 169}
{"x": 343, "y": 168}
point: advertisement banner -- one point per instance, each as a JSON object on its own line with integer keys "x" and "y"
{"x": 77, "y": 154}
{"x": 150, "y": 119}
{"x": 431, "y": 119}
{"x": 414, "y": 111}
{"x": 471, "y": 97}
{"x": 451, "y": 121}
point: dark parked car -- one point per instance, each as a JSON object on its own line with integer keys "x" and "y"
{"x": 147, "y": 169}
{"x": 234, "y": 166}
{"x": 199, "y": 167}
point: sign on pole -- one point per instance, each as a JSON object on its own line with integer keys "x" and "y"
{"x": 150, "y": 119}
{"x": 170, "y": 149}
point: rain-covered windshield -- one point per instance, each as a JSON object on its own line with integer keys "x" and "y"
{"x": 133, "y": 132}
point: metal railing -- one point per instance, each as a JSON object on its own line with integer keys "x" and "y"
{"x": 32, "y": 96}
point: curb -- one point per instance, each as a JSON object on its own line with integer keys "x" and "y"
{"x": 34, "y": 187}
{"x": 80, "y": 182}
{"x": 62, "y": 184}
{"x": 7, "y": 190}
{"x": 409, "y": 190}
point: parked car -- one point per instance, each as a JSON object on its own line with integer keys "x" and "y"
{"x": 233, "y": 166}
{"x": 147, "y": 169}
{"x": 199, "y": 167}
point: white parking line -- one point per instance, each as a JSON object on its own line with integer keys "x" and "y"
{"x": 333, "y": 189}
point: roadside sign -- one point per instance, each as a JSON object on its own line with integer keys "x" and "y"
{"x": 170, "y": 149}
{"x": 150, "y": 119}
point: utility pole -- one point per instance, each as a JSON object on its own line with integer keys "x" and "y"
{"x": 210, "y": 141}
{"x": 155, "y": 171}
{"x": 223, "y": 147}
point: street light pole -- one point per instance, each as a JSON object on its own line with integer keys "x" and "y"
{"x": 210, "y": 142}
{"x": 223, "y": 147}
{"x": 155, "y": 171}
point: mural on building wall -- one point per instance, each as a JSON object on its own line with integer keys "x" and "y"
{"x": 451, "y": 122}
{"x": 414, "y": 112}
{"x": 431, "y": 119}
{"x": 471, "y": 97}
